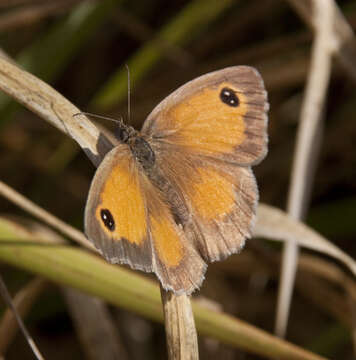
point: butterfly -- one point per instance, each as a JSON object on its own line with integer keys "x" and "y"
{"x": 181, "y": 193}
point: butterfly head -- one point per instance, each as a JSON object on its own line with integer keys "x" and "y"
{"x": 125, "y": 133}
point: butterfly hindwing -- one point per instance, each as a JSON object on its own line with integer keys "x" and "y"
{"x": 218, "y": 201}
{"x": 223, "y": 204}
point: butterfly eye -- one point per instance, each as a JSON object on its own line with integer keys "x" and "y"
{"x": 123, "y": 135}
{"x": 107, "y": 218}
{"x": 228, "y": 96}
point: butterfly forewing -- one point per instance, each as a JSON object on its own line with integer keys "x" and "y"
{"x": 129, "y": 221}
{"x": 221, "y": 115}
{"x": 116, "y": 214}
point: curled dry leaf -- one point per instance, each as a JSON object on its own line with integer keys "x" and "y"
{"x": 275, "y": 224}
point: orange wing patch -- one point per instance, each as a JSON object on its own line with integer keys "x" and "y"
{"x": 206, "y": 124}
{"x": 167, "y": 241}
{"x": 121, "y": 194}
{"x": 221, "y": 200}
{"x": 211, "y": 195}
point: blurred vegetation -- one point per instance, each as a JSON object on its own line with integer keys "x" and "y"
{"x": 81, "y": 47}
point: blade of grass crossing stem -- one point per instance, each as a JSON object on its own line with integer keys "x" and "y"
{"x": 7, "y": 297}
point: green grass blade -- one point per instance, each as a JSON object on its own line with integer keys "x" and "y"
{"x": 72, "y": 266}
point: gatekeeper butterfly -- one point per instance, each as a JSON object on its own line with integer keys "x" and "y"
{"x": 181, "y": 192}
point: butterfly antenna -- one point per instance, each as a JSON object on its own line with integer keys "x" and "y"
{"x": 7, "y": 298}
{"x": 100, "y": 117}
{"x": 128, "y": 94}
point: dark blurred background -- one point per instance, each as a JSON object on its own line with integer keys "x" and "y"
{"x": 80, "y": 48}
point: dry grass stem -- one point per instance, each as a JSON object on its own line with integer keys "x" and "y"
{"x": 43, "y": 100}
{"x": 307, "y": 148}
{"x": 181, "y": 334}
{"x": 7, "y": 297}
{"x": 22, "y": 301}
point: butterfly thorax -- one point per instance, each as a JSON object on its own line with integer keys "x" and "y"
{"x": 140, "y": 148}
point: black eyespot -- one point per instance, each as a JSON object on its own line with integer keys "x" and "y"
{"x": 107, "y": 218}
{"x": 228, "y": 96}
